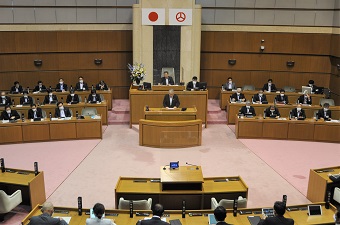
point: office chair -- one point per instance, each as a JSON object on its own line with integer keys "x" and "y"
{"x": 248, "y": 88}
{"x": 336, "y": 195}
{"x": 289, "y": 89}
{"x": 43, "y": 113}
{"x": 325, "y": 100}
{"x": 8, "y": 202}
{"x": 89, "y": 111}
{"x": 102, "y": 97}
{"x": 228, "y": 203}
{"x": 137, "y": 204}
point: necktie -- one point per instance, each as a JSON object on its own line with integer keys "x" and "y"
{"x": 35, "y": 114}
{"x": 72, "y": 99}
{"x": 260, "y": 98}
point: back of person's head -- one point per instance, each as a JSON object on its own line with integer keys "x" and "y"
{"x": 47, "y": 207}
{"x": 280, "y": 208}
{"x": 282, "y": 91}
{"x": 311, "y": 82}
{"x": 98, "y": 210}
{"x": 158, "y": 210}
{"x": 326, "y": 105}
{"x": 220, "y": 213}
{"x": 16, "y": 82}
{"x": 337, "y": 217}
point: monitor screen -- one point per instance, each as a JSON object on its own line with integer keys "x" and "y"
{"x": 314, "y": 210}
{"x": 147, "y": 85}
{"x": 306, "y": 89}
{"x": 203, "y": 85}
{"x": 174, "y": 165}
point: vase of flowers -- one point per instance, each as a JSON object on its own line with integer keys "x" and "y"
{"x": 137, "y": 72}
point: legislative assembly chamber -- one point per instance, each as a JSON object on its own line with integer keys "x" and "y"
{"x": 192, "y": 112}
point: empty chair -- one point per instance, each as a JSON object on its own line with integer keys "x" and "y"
{"x": 289, "y": 89}
{"x": 89, "y": 111}
{"x": 248, "y": 88}
{"x": 137, "y": 204}
{"x": 336, "y": 195}
{"x": 102, "y": 97}
{"x": 79, "y": 98}
{"x": 71, "y": 112}
{"x": 228, "y": 203}
{"x": 43, "y": 112}
{"x": 327, "y": 100}
{"x": 8, "y": 202}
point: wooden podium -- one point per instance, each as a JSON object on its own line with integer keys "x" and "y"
{"x": 182, "y": 178}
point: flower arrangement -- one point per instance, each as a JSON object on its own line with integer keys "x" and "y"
{"x": 137, "y": 72}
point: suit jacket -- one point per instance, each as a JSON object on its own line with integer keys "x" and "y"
{"x": 190, "y": 85}
{"x": 170, "y": 80}
{"x": 4, "y": 115}
{"x": 90, "y": 98}
{"x": 64, "y": 86}
{"x": 31, "y": 113}
{"x": 84, "y": 86}
{"x": 313, "y": 88}
{"x": 47, "y": 99}
{"x": 8, "y": 101}
{"x": 321, "y": 113}
{"x": 152, "y": 221}
{"x": 226, "y": 86}
{"x": 175, "y": 101}
{"x": 256, "y": 98}
{"x": 43, "y": 88}
{"x": 66, "y": 111}
{"x": 104, "y": 88}
{"x": 276, "y": 220}
{"x": 265, "y": 87}
{"x": 75, "y": 98}
{"x": 243, "y": 111}
{"x": 45, "y": 219}
{"x": 235, "y": 96}
{"x": 96, "y": 221}
{"x": 13, "y": 89}
{"x": 302, "y": 113}
{"x": 308, "y": 101}
{"x": 280, "y": 99}
{"x": 29, "y": 100}
{"x": 267, "y": 112}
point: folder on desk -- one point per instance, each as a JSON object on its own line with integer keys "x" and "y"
{"x": 254, "y": 220}
{"x": 212, "y": 219}
{"x": 175, "y": 222}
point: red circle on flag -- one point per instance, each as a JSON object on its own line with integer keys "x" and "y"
{"x": 153, "y": 16}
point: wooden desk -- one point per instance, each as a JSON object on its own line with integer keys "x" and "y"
{"x": 123, "y": 218}
{"x": 233, "y": 109}
{"x": 47, "y": 130}
{"x": 143, "y": 188}
{"x": 32, "y": 187}
{"x": 163, "y": 114}
{"x": 168, "y": 87}
{"x": 319, "y": 183}
{"x": 154, "y": 99}
{"x": 106, "y": 94}
{"x": 292, "y": 97}
{"x": 308, "y": 129}
{"x": 170, "y": 134}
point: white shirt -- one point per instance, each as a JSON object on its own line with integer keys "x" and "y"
{"x": 96, "y": 221}
{"x": 170, "y": 101}
{"x": 166, "y": 81}
{"x": 81, "y": 85}
{"x": 194, "y": 84}
{"x": 62, "y": 113}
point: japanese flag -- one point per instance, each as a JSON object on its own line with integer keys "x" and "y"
{"x": 180, "y": 17}
{"x": 153, "y": 16}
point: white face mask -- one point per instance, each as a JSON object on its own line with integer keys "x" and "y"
{"x": 260, "y": 94}
{"x": 298, "y": 109}
{"x": 8, "y": 111}
{"x": 3, "y": 96}
{"x": 248, "y": 106}
{"x": 80, "y": 81}
{"x": 230, "y": 82}
{"x": 25, "y": 96}
{"x": 238, "y": 93}
{"x": 61, "y": 107}
{"x": 34, "y": 110}
{"x": 310, "y": 85}
{"x": 50, "y": 95}
{"x": 93, "y": 95}
{"x": 282, "y": 95}
{"x": 61, "y": 82}
{"x": 272, "y": 110}
{"x": 269, "y": 83}
{"x": 40, "y": 85}
{"x": 325, "y": 109}
{"x": 72, "y": 95}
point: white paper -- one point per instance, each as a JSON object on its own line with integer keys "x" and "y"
{"x": 66, "y": 218}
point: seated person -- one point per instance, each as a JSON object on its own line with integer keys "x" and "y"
{"x": 157, "y": 212}
{"x": 270, "y": 87}
{"x": 166, "y": 79}
{"x": 279, "y": 211}
{"x": 337, "y": 217}
{"x": 61, "y": 111}
{"x": 282, "y": 98}
{"x": 17, "y": 88}
{"x": 46, "y": 216}
{"x": 305, "y": 99}
{"x": 94, "y": 97}
{"x": 61, "y": 86}
{"x": 193, "y": 84}
{"x": 99, "y": 211}
{"x": 298, "y": 113}
{"x": 50, "y": 98}
{"x": 5, "y": 100}
{"x": 26, "y": 100}
{"x": 325, "y": 113}
{"x": 81, "y": 85}
{"x": 272, "y": 112}
{"x": 34, "y": 112}
{"x": 9, "y": 114}
{"x": 220, "y": 214}
{"x": 102, "y": 86}
{"x": 171, "y": 100}
{"x": 40, "y": 87}
{"x": 238, "y": 96}
{"x": 311, "y": 84}
{"x": 230, "y": 85}
{"x": 260, "y": 98}
{"x": 72, "y": 98}
{"x": 247, "y": 110}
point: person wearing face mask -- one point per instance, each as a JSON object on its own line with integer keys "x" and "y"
{"x": 238, "y": 96}
{"x": 298, "y": 113}
{"x": 94, "y": 97}
{"x": 314, "y": 87}
{"x": 61, "y": 86}
{"x": 9, "y": 114}
{"x": 40, "y": 87}
{"x": 17, "y": 88}
{"x": 81, "y": 85}
{"x": 270, "y": 87}
{"x": 61, "y": 111}
{"x": 5, "y": 100}
{"x": 72, "y": 98}
{"x": 305, "y": 99}
{"x": 99, "y": 212}
{"x": 247, "y": 110}
{"x": 26, "y": 100}
{"x": 193, "y": 84}
{"x": 34, "y": 112}
{"x": 272, "y": 112}
{"x": 101, "y": 86}
{"x": 230, "y": 85}
{"x": 260, "y": 98}
{"x": 46, "y": 217}
{"x": 325, "y": 112}
{"x": 281, "y": 98}
{"x": 50, "y": 98}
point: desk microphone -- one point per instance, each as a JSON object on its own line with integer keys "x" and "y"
{"x": 36, "y": 171}
{"x": 2, "y": 161}
{"x": 284, "y": 200}
{"x": 183, "y": 209}
{"x": 80, "y": 206}
{"x": 235, "y": 208}
{"x": 131, "y": 208}
{"x": 328, "y": 199}
{"x": 189, "y": 164}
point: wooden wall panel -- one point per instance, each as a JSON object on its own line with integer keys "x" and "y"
{"x": 67, "y": 41}
{"x": 280, "y": 79}
{"x": 256, "y": 40}
{"x": 335, "y": 45}
{"x": 25, "y": 41}
{"x": 46, "y": 41}
{"x": 242, "y": 42}
{"x": 223, "y": 42}
{"x": 282, "y": 43}
{"x": 120, "y": 92}
{"x": 7, "y": 42}
{"x": 334, "y": 87}
{"x": 207, "y": 43}
{"x": 68, "y": 61}
{"x": 115, "y": 77}
{"x": 87, "y": 41}
{"x": 258, "y": 78}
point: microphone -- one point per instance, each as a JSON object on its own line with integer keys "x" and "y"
{"x": 328, "y": 200}
{"x": 235, "y": 208}
{"x": 36, "y": 171}
{"x": 189, "y": 164}
{"x": 2, "y": 162}
{"x": 284, "y": 200}
{"x": 131, "y": 209}
{"x": 183, "y": 209}
{"x": 80, "y": 206}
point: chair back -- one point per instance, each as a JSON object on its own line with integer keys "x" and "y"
{"x": 137, "y": 204}
{"x": 336, "y": 195}
{"x": 248, "y": 87}
{"x": 9, "y": 202}
{"x": 327, "y": 100}
{"x": 89, "y": 111}
{"x": 289, "y": 89}
{"x": 228, "y": 203}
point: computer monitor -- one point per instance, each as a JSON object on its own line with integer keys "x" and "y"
{"x": 314, "y": 210}
{"x": 306, "y": 89}
{"x": 202, "y": 85}
{"x": 147, "y": 86}
{"x": 174, "y": 165}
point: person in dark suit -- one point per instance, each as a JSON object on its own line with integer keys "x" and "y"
{"x": 102, "y": 86}
{"x": 260, "y": 98}
{"x": 270, "y": 87}
{"x": 26, "y": 100}
{"x": 166, "y": 79}
{"x": 171, "y": 100}
{"x": 325, "y": 113}
{"x": 272, "y": 112}
{"x": 220, "y": 214}
{"x": 17, "y": 88}
{"x": 305, "y": 99}
{"x": 40, "y": 87}
{"x": 278, "y": 219}
{"x": 50, "y": 98}
{"x": 238, "y": 96}
{"x": 9, "y": 114}
{"x": 311, "y": 84}
{"x": 46, "y": 217}
{"x": 193, "y": 84}
{"x": 72, "y": 98}
{"x": 282, "y": 98}
{"x": 298, "y": 113}
{"x": 61, "y": 86}
{"x": 81, "y": 85}
{"x": 247, "y": 109}
{"x": 5, "y": 100}
{"x": 230, "y": 85}
{"x": 34, "y": 112}
{"x": 337, "y": 217}
{"x": 94, "y": 97}
{"x": 61, "y": 111}
{"x": 157, "y": 212}
{"x": 99, "y": 211}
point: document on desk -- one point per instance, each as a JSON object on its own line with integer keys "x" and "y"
{"x": 66, "y": 218}
{"x": 254, "y": 220}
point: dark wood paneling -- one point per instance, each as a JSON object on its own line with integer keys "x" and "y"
{"x": 223, "y": 42}
{"x": 120, "y": 92}
{"x": 25, "y": 41}
{"x": 242, "y": 42}
{"x": 87, "y": 41}
{"x": 282, "y": 43}
{"x": 67, "y": 41}
{"x": 46, "y": 41}
{"x": 335, "y": 45}
{"x": 7, "y": 42}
